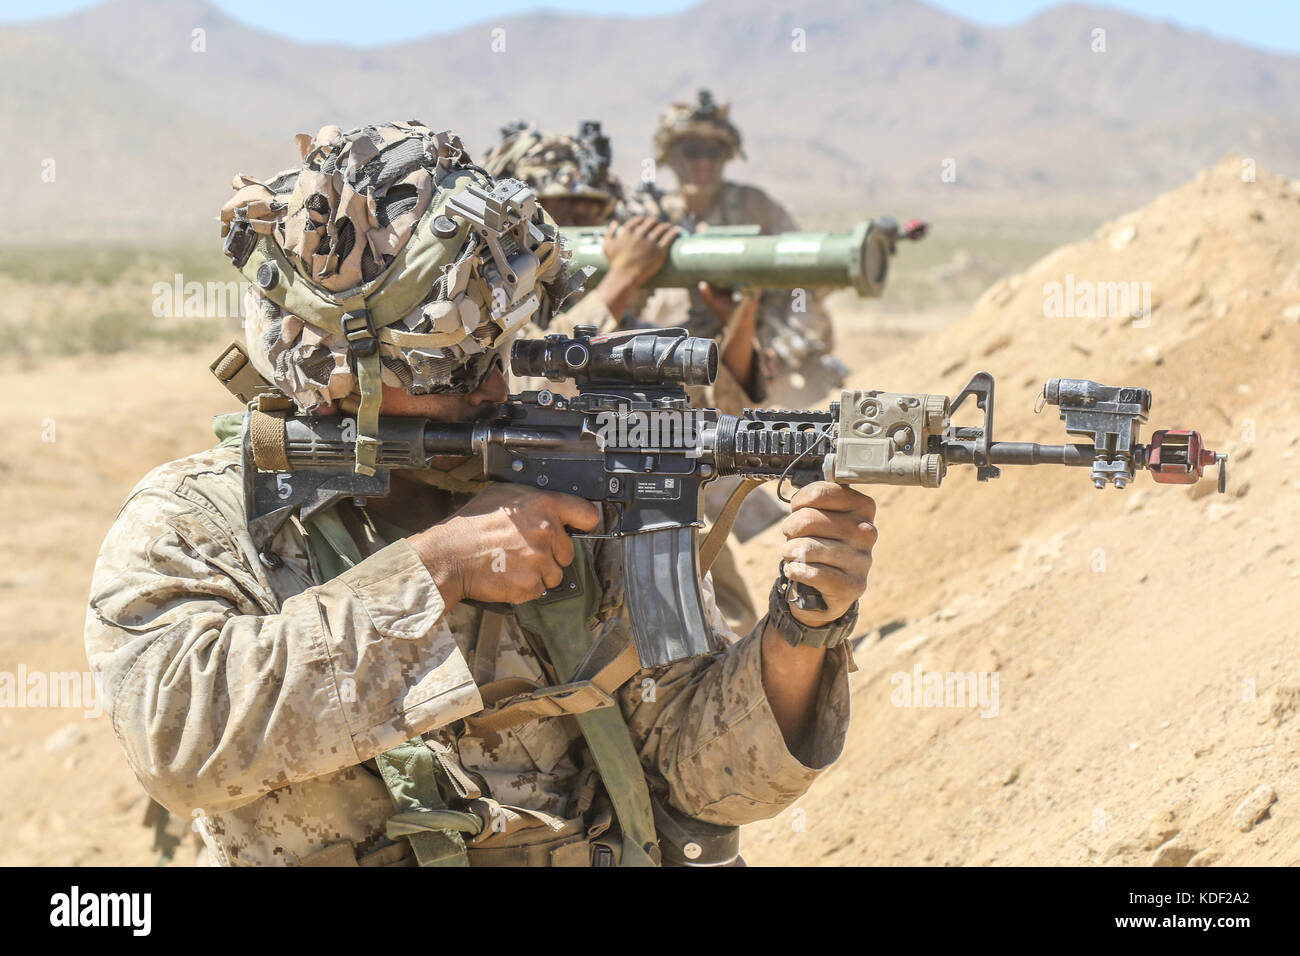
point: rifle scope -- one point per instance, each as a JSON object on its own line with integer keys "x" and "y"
{"x": 623, "y": 358}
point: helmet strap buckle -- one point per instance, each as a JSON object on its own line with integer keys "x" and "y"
{"x": 359, "y": 330}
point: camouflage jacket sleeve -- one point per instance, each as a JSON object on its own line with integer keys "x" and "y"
{"x": 218, "y": 692}
{"x": 706, "y": 729}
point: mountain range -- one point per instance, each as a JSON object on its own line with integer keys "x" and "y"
{"x": 848, "y": 108}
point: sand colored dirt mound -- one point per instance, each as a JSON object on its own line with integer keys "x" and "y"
{"x": 1145, "y": 641}
{"x": 79, "y": 433}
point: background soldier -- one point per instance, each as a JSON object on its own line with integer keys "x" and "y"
{"x": 794, "y": 333}
{"x": 571, "y": 178}
{"x": 289, "y": 685}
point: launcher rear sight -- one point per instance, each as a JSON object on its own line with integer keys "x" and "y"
{"x": 651, "y": 489}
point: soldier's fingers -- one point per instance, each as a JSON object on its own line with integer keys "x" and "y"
{"x": 835, "y": 525}
{"x": 833, "y": 583}
{"x": 643, "y": 226}
{"x": 712, "y": 295}
{"x": 829, "y": 496}
{"x": 845, "y": 555}
{"x": 574, "y": 512}
{"x": 610, "y": 243}
{"x": 659, "y": 230}
{"x": 551, "y": 574}
{"x": 562, "y": 549}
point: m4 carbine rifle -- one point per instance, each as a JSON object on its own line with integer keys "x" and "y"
{"x": 630, "y": 440}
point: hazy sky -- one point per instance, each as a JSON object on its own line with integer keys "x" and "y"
{"x": 1272, "y": 24}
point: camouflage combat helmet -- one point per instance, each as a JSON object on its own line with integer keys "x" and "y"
{"x": 704, "y": 118}
{"x": 386, "y": 257}
{"x": 558, "y": 165}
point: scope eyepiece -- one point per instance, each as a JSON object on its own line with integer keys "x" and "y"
{"x": 659, "y": 356}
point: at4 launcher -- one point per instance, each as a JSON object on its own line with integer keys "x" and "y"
{"x": 630, "y": 441}
{"x": 738, "y": 257}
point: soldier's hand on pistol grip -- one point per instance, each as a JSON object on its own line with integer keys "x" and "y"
{"x": 829, "y": 536}
{"x": 507, "y": 545}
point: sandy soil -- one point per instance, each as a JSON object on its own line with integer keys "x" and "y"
{"x": 1144, "y": 641}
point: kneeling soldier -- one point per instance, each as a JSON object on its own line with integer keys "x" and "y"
{"x": 328, "y": 690}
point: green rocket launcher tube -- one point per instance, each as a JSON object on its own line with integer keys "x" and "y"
{"x": 738, "y": 257}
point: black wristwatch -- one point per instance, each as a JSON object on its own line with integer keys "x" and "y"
{"x": 798, "y": 634}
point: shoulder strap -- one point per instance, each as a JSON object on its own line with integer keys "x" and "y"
{"x": 513, "y": 701}
{"x": 717, "y": 536}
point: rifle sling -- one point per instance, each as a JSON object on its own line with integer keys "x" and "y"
{"x": 717, "y": 536}
{"x": 515, "y": 701}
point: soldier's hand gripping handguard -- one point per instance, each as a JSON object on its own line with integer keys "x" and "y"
{"x": 630, "y": 442}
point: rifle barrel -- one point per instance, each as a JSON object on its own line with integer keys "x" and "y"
{"x": 1020, "y": 453}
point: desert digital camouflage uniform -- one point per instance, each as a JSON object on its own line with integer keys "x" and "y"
{"x": 253, "y": 695}
{"x": 251, "y": 698}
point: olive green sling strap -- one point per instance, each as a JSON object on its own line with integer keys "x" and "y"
{"x": 414, "y": 776}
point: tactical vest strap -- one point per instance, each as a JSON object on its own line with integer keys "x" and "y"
{"x": 418, "y": 781}
{"x": 515, "y": 701}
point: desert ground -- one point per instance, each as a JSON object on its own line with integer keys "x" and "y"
{"x": 1144, "y": 641}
